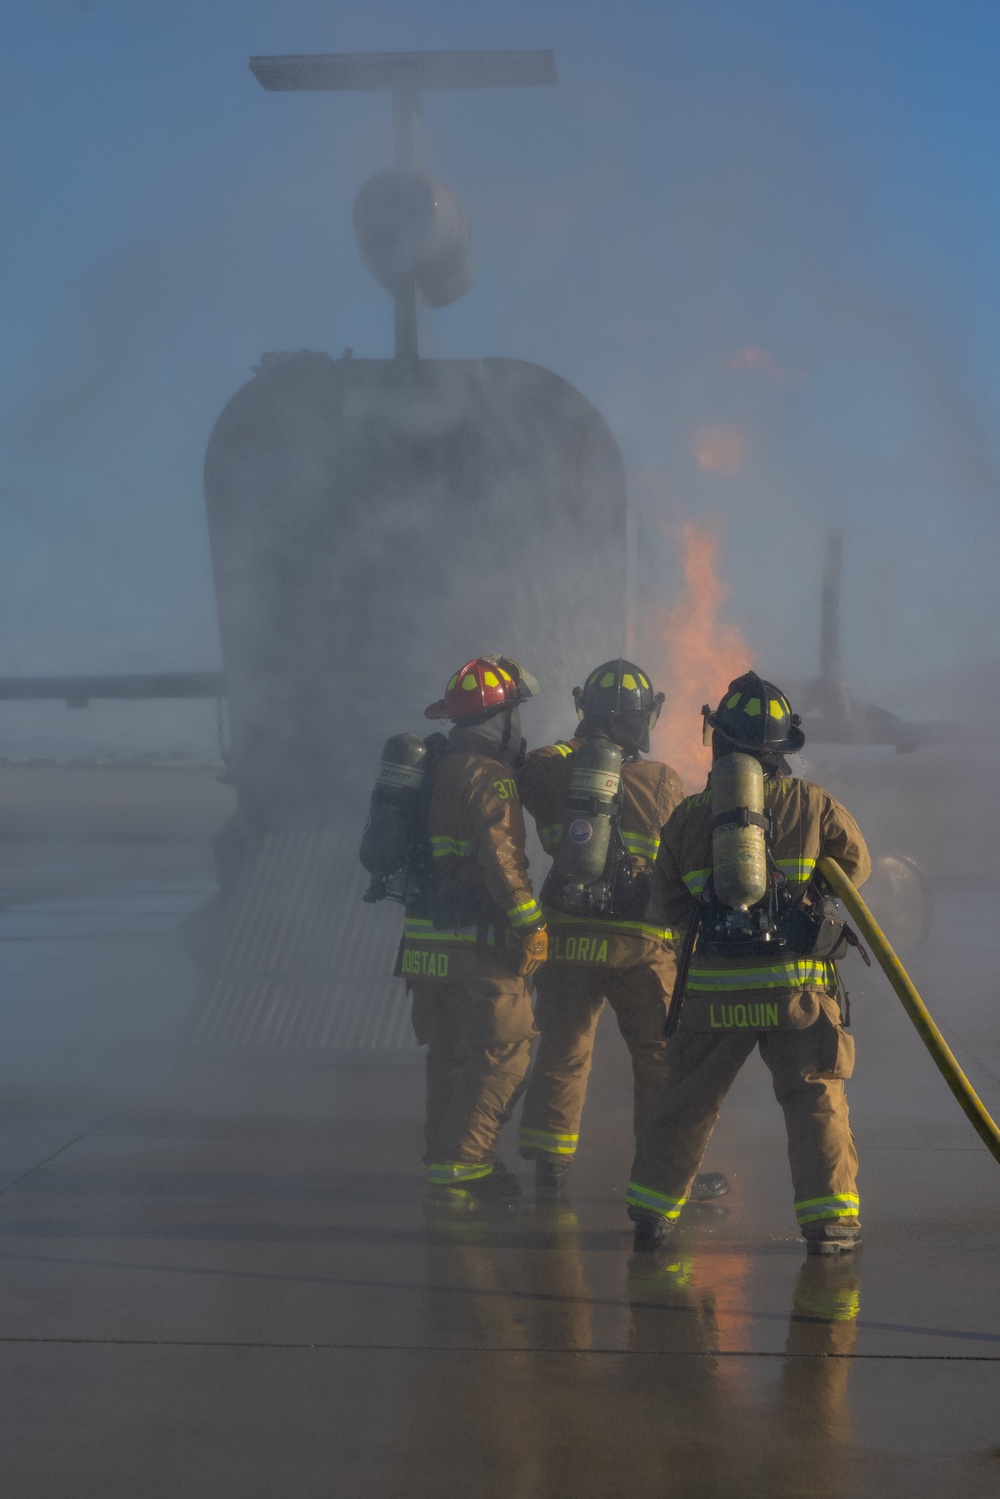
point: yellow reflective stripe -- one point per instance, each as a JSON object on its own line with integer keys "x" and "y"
{"x": 812, "y": 1202}
{"x": 545, "y": 1134}
{"x": 822, "y": 1214}
{"x": 564, "y": 749}
{"x": 608, "y": 925}
{"x": 543, "y": 1139}
{"x": 837, "y": 1205}
{"x": 444, "y": 1173}
{"x": 639, "y": 1196}
{"x": 417, "y": 930}
{"x": 466, "y": 934}
{"x": 798, "y": 871}
{"x": 529, "y": 913}
{"x": 641, "y": 843}
{"x": 799, "y": 973}
{"x": 441, "y": 846}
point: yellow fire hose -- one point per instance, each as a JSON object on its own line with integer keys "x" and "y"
{"x": 971, "y": 1104}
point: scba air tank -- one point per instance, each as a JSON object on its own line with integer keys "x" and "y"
{"x": 388, "y": 834}
{"x": 591, "y": 805}
{"x": 739, "y": 845}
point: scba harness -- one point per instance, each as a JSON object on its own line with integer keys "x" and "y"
{"x": 402, "y": 858}
{"x": 619, "y": 894}
{"x": 592, "y": 873}
{"x": 799, "y": 926}
{"x": 747, "y": 909}
{"x": 805, "y": 925}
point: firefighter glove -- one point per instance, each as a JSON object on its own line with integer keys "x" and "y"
{"x": 534, "y": 951}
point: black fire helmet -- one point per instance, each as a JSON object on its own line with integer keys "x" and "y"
{"x": 756, "y": 716}
{"x": 618, "y": 697}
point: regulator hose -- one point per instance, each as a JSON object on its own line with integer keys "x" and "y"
{"x": 969, "y": 1101}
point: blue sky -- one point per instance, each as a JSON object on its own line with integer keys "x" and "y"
{"x": 814, "y": 183}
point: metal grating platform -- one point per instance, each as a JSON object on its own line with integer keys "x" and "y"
{"x": 304, "y": 965}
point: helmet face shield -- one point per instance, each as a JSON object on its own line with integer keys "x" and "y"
{"x": 631, "y": 731}
{"x": 527, "y": 686}
{"x": 645, "y": 724}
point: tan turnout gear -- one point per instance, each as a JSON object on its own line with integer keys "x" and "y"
{"x": 471, "y": 1009}
{"x": 650, "y": 792}
{"x": 478, "y": 1038}
{"x": 476, "y": 830}
{"x": 628, "y": 963}
{"x": 787, "y": 1006}
{"x": 756, "y": 993}
{"x": 568, "y": 1005}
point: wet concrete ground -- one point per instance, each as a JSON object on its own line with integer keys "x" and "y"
{"x": 226, "y": 1284}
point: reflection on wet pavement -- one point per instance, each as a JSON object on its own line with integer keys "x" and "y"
{"x": 234, "y": 1283}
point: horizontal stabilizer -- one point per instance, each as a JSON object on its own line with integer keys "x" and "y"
{"x": 77, "y": 692}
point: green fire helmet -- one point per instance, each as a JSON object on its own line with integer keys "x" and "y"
{"x": 756, "y": 716}
{"x": 618, "y": 697}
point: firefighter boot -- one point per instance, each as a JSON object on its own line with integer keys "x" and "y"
{"x": 500, "y": 1183}
{"x": 831, "y": 1238}
{"x": 550, "y": 1174}
{"x": 651, "y": 1231}
{"x": 492, "y": 1185}
{"x": 708, "y": 1185}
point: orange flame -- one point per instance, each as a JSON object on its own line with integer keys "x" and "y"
{"x": 700, "y": 656}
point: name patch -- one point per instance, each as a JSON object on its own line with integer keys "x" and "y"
{"x": 430, "y": 965}
{"x": 743, "y": 1017}
{"x": 580, "y": 949}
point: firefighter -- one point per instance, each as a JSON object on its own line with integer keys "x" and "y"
{"x": 610, "y": 954}
{"x": 471, "y": 944}
{"x": 786, "y": 1002}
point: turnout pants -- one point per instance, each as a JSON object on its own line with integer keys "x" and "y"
{"x": 478, "y": 1035}
{"x": 568, "y": 1004}
{"x": 808, "y": 1069}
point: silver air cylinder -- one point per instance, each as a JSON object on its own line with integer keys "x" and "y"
{"x": 739, "y": 848}
{"x": 595, "y": 775}
{"x": 386, "y": 839}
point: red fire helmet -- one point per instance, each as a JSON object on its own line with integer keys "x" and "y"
{"x": 483, "y": 687}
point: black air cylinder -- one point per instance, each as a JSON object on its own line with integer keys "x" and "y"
{"x": 389, "y": 830}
